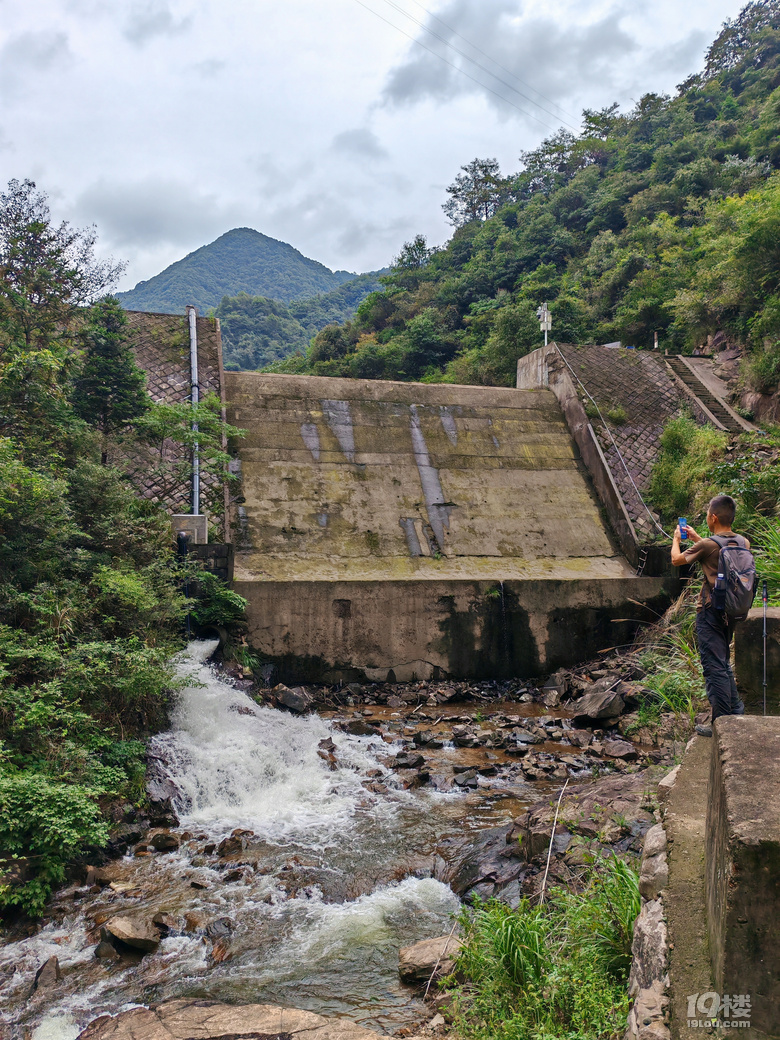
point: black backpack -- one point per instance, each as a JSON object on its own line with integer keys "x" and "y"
{"x": 735, "y": 587}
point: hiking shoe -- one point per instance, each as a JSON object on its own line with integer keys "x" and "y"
{"x": 704, "y": 731}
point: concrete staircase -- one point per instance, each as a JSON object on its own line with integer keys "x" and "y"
{"x": 725, "y": 418}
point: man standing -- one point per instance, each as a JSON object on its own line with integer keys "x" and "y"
{"x": 714, "y": 628}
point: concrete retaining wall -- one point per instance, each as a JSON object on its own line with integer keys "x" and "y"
{"x": 749, "y": 661}
{"x": 346, "y": 630}
{"x": 743, "y": 864}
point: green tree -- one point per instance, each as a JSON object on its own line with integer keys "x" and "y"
{"x": 109, "y": 390}
{"x": 476, "y": 193}
{"x": 47, "y": 272}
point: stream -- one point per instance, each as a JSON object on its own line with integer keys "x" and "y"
{"x": 333, "y": 868}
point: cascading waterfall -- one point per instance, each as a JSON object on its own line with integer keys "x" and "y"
{"x": 317, "y": 904}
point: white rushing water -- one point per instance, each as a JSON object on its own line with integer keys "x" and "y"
{"x": 319, "y": 906}
{"x": 238, "y": 764}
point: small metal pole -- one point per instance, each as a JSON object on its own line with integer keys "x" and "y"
{"x": 764, "y": 598}
{"x": 192, "y": 317}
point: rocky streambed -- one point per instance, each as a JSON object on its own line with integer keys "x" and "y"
{"x": 296, "y": 839}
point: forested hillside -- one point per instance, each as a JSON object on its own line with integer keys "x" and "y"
{"x": 257, "y": 331}
{"x": 240, "y": 261}
{"x": 663, "y": 219}
{"x": 91, "y": 603}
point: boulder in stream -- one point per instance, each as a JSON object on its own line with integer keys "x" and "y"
{"x": 418, "y": 962}
{"x": 603, "y": 701}
{"x": 296, "y": 699}
{"x": 47, "y": 975}
{"x": 137, "y": 932}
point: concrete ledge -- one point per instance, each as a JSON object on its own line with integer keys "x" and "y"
{"x": 743, "y": 864}
{"x": 749, "y": 661}
{"x": 401, "y": 630}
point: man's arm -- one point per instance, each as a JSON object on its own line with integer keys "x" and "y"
{"x": 678, "y": 553}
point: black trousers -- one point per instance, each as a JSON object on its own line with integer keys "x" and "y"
{"x": 714, "y": 632}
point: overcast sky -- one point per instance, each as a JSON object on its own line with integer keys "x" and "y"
{"x": 324, "y": 123}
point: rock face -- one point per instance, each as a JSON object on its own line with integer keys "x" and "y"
{"x": 417, "y": 963}
{"x": 202, "y": 1020}
{"x": 135, "y": 932}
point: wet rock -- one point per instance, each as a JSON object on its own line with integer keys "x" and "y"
{"x": 602, "y": 702}
{"x": 231, "y": 846}
{"x": 137, "y": 932}
{"x": 426, "y": 738}
{"x": 408, "y": 760}
{"x": 220, "y": 928}
{"x": 106, "y": 951}
{"x": 166, "y": 923}
{"x": 394, "y": 702}
{"x": 620, "y": 749}
{"x": 296, "y": 700}
{"x": 579, "y": 737}
{"x": 123, "y": 836}
{"x": 161, "y": 813}
{"x": 165, "y": 842}
{"x": 422, "y": 960}
{"x": 47, "y": 975}
{"x": 467, "y": 779}
{"x": 203, "y": 1020}
{"x": 360, "y": 728}
{"x": 417, "y": 779}
{"x": 220, "y": 952}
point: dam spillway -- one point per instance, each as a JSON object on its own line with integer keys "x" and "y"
{"x": 397, "y": 530}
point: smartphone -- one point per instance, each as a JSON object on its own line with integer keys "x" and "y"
{"x": 683, "y": 528}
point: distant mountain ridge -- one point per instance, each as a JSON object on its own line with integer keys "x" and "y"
{"x": 240, "y": 261}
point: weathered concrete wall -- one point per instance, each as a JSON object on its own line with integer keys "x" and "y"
{"x": 343, "y": 630}
{"x": 421, "y": 528}
{"x": 743, "y": 864}
{"x": 749, "y": 661}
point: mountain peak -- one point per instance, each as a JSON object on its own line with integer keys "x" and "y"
{"x": 240, "y": 260}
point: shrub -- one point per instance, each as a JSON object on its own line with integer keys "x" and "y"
{"x": 556, "y": 970}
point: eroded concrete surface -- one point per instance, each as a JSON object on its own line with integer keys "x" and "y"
{"x": 434, "y": 504}
{"x": 371, "y": 479}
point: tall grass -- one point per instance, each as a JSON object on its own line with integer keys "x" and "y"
{"x": 557, "y": 970}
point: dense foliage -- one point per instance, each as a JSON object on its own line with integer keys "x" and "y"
{"x": 90, "y": 601}
{"x": 695, "y": 463}
{"x": 257, "y": 331}
{"x": 663, "y": 219}
{"x": 240, "y": 261}
{"x": 558, "y": 969}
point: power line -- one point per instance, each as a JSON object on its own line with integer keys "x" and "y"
{"x": 479, "y": 65}
{"x": 506, "y": 100}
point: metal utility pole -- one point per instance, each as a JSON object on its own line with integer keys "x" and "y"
{"x": 545, "y": 321}
{"x": 192, "y": 318}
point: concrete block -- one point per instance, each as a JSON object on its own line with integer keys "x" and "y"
{"x": 743, "y": 864}
{"x": 749, "y": 661}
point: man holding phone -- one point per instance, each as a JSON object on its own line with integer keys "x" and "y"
{"x": 714, "y": 628}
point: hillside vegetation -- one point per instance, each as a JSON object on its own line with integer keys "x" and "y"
{"x": 663, "y": 219}
{"x": 91, "y": 606}
{"x": 257, "y": 331}
{"x": 240, "y": 261}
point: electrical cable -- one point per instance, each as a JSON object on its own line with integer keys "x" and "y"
{"x": 484, "y": 86}
{"x": 615, "y": 444}
{"x": 509, "y": 72}
{"x": 447, "y": 43}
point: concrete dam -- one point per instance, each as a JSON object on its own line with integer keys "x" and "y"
{"x": 393, "y": 531}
